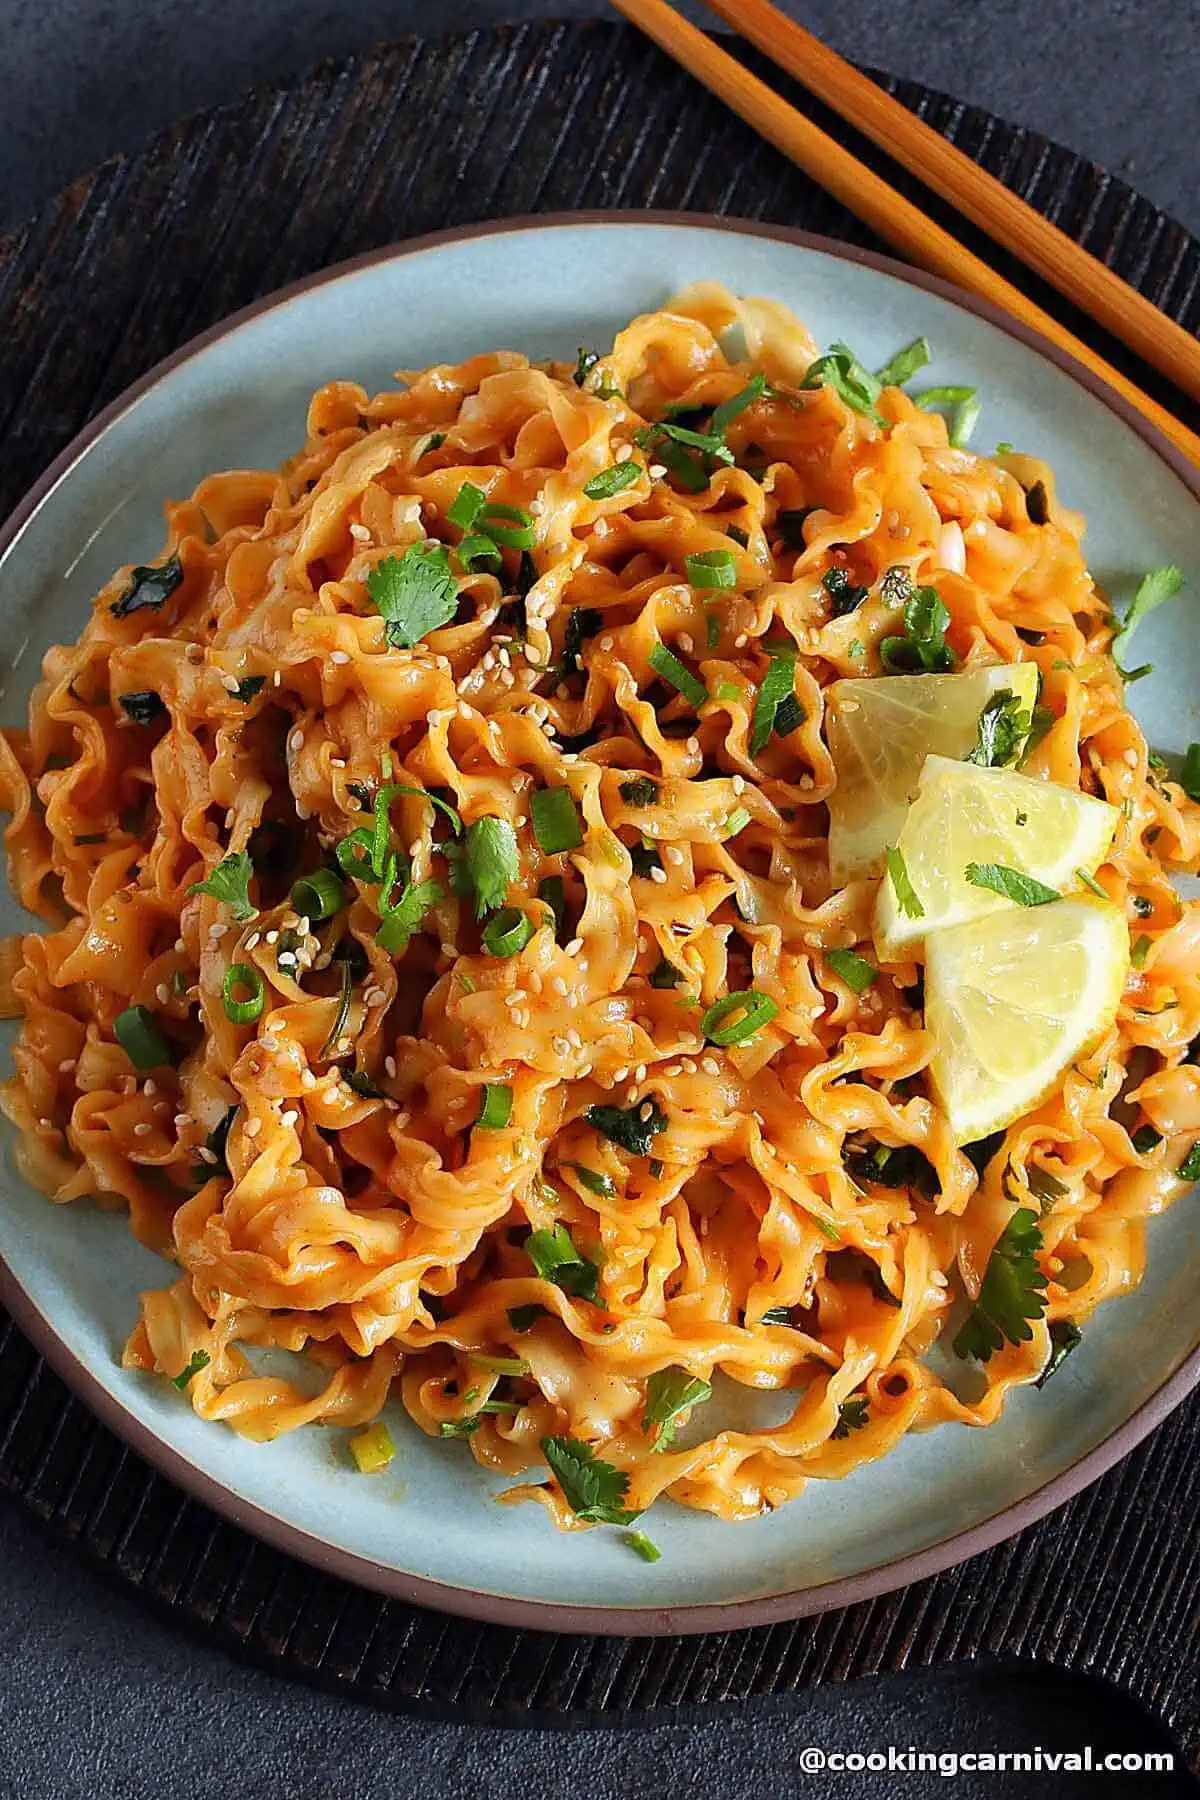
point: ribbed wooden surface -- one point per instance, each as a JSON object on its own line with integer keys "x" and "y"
{"x": 227, "y": 206}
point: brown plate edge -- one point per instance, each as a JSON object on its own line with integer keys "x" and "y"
{"x": 498, "y": 1609}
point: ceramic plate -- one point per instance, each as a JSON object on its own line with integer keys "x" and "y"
{"x": 427, "y": 1529}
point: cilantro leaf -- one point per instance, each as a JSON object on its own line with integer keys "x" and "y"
{"x": 669, "y": 1394}
{"x": 1156, "y": 587}
{"x": 628, "y": 1130}
{"x": 1065, "y": 1336}
{"x": 1012, "y": 1292}
{"x": 149, "y": 587}
{"x": 249, "y": 686}
{"x": 414, "y": 593}
{"x": 1003, "y": 726}
{"x": 230, "y": 882}
{"x": 1026, "y": 890}
{"x": 1043, "y": 719}
{"x": 144, "y": 707}
{"x": 852, "y": 968}
{"x": 594, "y": 1490}
{"x": 923, "y": 648}
{"x": 554, "y": 1256}
{"x": 397, "y": 923}
{"x": 841, "y": 370}
{"x": 844, "y": 595}
{"x": 641, "y": 791}
{"x": 585, "y": 362}
{"x": 906, "y": 893}
{"x": 852, "y": 1416}
{"x": 491, "y": 862}
{"x": 777, "y": 684}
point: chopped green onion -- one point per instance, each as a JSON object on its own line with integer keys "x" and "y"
{"x": 1145, "y": 1139}
{"x": 372, "y": 1449}
{"x": 507, "y": 932}
{"x": 790, "y": 715}
{"x": 712, "y": 629}
{"x": 664, "y": 974}
{"x": 640, "y": 791}
{"x": 777, "y": 684}
{"x": 724, "y": 415}
{"x": 318, "y": 896}
{"x": 495, "y": 1106}
{"x": 521, "y": 1318}
{"x": 712, "y": 569}
{"x": 904, "y": 365}
{"x": 612, "y": 480}
{"x": 508, "y": 525}
{"x": 673, "y": 672}
{"x": 552, "y": 893}
{"x": 466, "y": 506}
{"x": 1140, "y": 951}
{"x": 140, "y": 1038}
{"x": 738, "y": 1017}
{"x": 1089, "y": 881}
{"x": 343, "y": 1007}
{"x": 737, "y": 821}
{"x": 246, "y": 977}
{"x": 595, "y": 1182}
{"x": 498, "y": 1365}
{"x": 556, "y": 824}
{"x": 640, "y": 1544}
{"x": 841, "y": 370}
{"x": 474, "y": 551}
{"x": 967, "y": 404}
{"x": 727, "y": 692}
{"x": 854, "y": 970}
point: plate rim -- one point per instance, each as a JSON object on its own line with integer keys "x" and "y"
{"x": 685, "y": 1618}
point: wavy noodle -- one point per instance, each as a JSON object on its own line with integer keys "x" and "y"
{"x": 373, "y": 1228}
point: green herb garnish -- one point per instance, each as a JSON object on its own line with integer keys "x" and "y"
{"x": 904, "y": 365}
{"x": 640, "y": 792}
{"x": 853, "y": 969}
{"x": 230, "y": 882}
{"x": 965, "y": 401}
{"x": 554, "y": 1256}
{"x": 594, "y": 1490}
{"x": 738, "y": 1017}
{"x": 414, "y": 593}
{"x": 902, "y": 887}
{"x": 1154, "y": 589}
{"x": 491, "y": 862}
{"x": 1025, "y": 890}
{"x": 777, "y": 684}
{"x": 1004, "y": 725}
{"x": 841, "y": 370}
{"x": 1012, "y": 1292}
{"x": 669, "y": 1394}
{"x": 148, "y": 586}
{"x": 640, "y": 1544}
{"x": 676, "y": 675}
{"x": 144, "y": 707}
{"x": 852, "y": 1416}
{"x": 555, "y": 821}
{"x": 198, "y": 1360}
{"x": 923, "y": 649}
{"x": 627, "y": 1129}
{"x": 495, "y": 1106}
{"x": 612, "y": 480}
{"x": 1065, "y": 1336}
{"x": 707, "y": 569}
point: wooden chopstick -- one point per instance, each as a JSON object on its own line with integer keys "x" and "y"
{"x": 979, "y": 196}
{"x": 887, "y": 212}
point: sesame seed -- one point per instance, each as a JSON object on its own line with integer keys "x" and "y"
{"x": 162, "y": 993}
{"x": 308, "y": 1079}
{"x": 296, "y": 741}
{"x": 659, "y": 876}
{"x": 738, "y": 784}
{"x": 686, "y": 644}
{"x": 179, "y": 944}
{"x": 646, "y": 1112}
{"x": 624, "y": 452}
{"x": 606, "y": 642}
{"x": 339, "y": 656}
{"x": 230, "y": 683}
{"x": 673, "y": 856}
{"x": 253, "y": 1127}
{"x": 206, "y": 1155}
{"x": 389, "y": 1064}
{"x": 740, "y": 641}
{"x": 150, "y": 1088}
{"x": 290, "y": 1118}
{"x": 710, "y": 1065}
{"x": 66, "y": 1066}
{"x": 269, "y": 1042}
{"x": 560, "y": 1046}
{"x": 693, "y": 745}
{"x": 361, "y": 532}
{"x": 639, "y": 1074}
{"x": 277, "y": 679}
{"x": 657, "y": 471}
{"x": 253, "y": 940}
{"x": 142, "y": 1130}
{"x": 620, "y": 1074}
{"x": 575, "y": 946}
{"x": 558, "y": 985}
{"x": 1131, "y": 759}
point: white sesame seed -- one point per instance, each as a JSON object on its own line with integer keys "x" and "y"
{"x": 253, "y": 1127}
{"x": 296, "y": 741}
{"x": 339, "y": 656}
{"x": 179, "y": 944}
{"x": 142, "y": 1130}
{"x": 659, "y": 876}
{"x": 575, "y": 946}
{"x": 710, "y": 1065}
{"x": 657, "y": 471}
{"x": 361, "y": 532}
{"x": 576, "y": 1043}
{"x": 693, "y": 745}
{"x": 560, "y": 1046}
{"x": 66, "y": 1066}
{"x": 558, "y": 985}
{"x": 646, "y": 1112}
{"x": 206, "y": 1155}
{"x": 606, "y": 642}
{"x": 1131, "y": 759}
{"x": 290, "y": 1118}
{"x": 620, "y": 1074}
{"x": 738, "y": 784}
{"x": 673, "y": 856}
{"x": 230, "y": 683}
{"x": 639, "y": 1074}
{"x": 269, "y": 1042}
{"x": 740, "y": 641}
{"x": 686, "y": 644}
{"x": 162, "y": 993}
{"x": 389, "y": 1064}
{"x": 624, "y": 452}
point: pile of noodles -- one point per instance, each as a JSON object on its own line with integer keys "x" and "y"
{"x": 375, "y": 1226}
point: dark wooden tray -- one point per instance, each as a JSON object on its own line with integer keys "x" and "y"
{"x": 152, "y": 248}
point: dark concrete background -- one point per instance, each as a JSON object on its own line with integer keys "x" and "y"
{"x": 102, "y": 1701}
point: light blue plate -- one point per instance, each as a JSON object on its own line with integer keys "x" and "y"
{"x": 427, "y": 1528}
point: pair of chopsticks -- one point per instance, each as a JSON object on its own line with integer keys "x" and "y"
{"x": 920, "y": 150}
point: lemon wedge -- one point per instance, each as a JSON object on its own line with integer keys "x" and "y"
{"x": 965, "y": 817}
{"x": 880, "y": 732}
{"x": 1011, "y": 1000}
